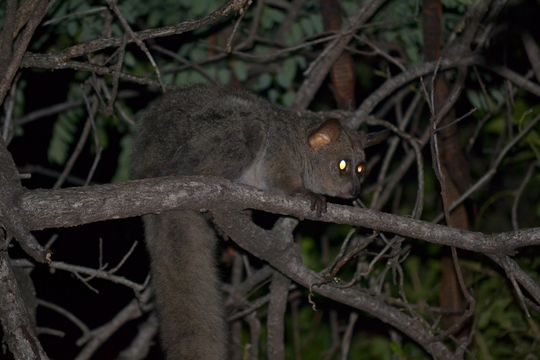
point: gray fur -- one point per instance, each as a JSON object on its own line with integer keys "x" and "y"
{"x": 234, "y": 134}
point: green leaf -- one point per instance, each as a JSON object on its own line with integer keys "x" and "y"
{"x": 349, "y": 7}
{"x": 129, "y": 59}
{"x": 199, "y": 7}
{"x": 307, "y": 26}
{"x": 60, "y": 10}
{"x": 72, "y": 28}
{"x": 263, "y": 82}
{"x": 495, "y": 126}
{"x": 129, "y": 12}
{"x": 240, "y": 70}
{"x": 271, "y": 16}
{"x": 186, "y": 3}
{"x": 91, "y": 28}
{"x": 484, "y": 318}
{"x": 224, "y": 76}
{"x": 397, "y": 350}
{"x": 195, "y": 77}
{"x": 288, "y": 98}
{"x": 102, "y": 133}
{"x": 301, "y": 61}
{"x": 198, "y": 54}
{"x": 309, "y": 252}
{"x": 62, "y": 138}
{"x": 273, "y": 95}
{"x": 169, "y": 78}
{"x": 317, "y": 23}
{"x": 124, "y": 159}
{"x": 295, "y": 34}
{"x": 287, "y": 73}
{"x": 154, "y": 18}
{"x": 182, "y": 79}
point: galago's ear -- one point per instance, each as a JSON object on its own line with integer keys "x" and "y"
{"x": 327, "y": 133}
{"x": 374, "y": 138}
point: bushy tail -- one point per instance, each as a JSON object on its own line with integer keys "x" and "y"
{"x": 182, "y": 251}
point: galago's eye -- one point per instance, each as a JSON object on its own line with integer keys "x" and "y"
{"x": 343, "y": 165}
{"x": 360, "y": 168}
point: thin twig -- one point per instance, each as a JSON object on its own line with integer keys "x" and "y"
{"x": 493, "y": 169}
{"x": 75, "y": 14}
{"x": 519, "y": 193}
{"x": 96, "y": 273}
{"x": 75, "y": 154}
{"x": 101, "y": 334}
{"x": 190, "y": 25}
{"x": 134, "y": 37}
{"x": 347, "y": 336}
{"x": 66, "y": 313}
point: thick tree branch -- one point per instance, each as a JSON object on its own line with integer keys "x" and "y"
{"x": 6, "y": 36}
{"x": 18, "y": 330}
{"x": 10, "y": 217}
{"x": 77, "y": 206}
{"x": 279, "y": 291}
{"x": 11, "y": 69}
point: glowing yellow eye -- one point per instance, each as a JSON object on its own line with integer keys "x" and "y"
{"x": 360, "y": 168}
{"x": 342, "y": 165}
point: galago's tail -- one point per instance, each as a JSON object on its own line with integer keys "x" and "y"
{"x": 182, "y": 251}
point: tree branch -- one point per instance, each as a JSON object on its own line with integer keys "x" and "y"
{"x": 100, "y": 44}
{"x": 284, "y": 258}
{"x": 11, "y": 69}
{"x": 82, "y": 205}
{"x": 395, "y": 82}
{"x": 319, "y": 69}
{"x": 10, "y": 217}
{"x": 18, "y": 331}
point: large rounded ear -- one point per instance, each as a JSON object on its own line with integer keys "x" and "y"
{"x": 325, "y": 134}
{"x": 373, "y": 138}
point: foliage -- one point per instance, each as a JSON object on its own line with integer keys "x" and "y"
{"x": 275, "y": 68}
